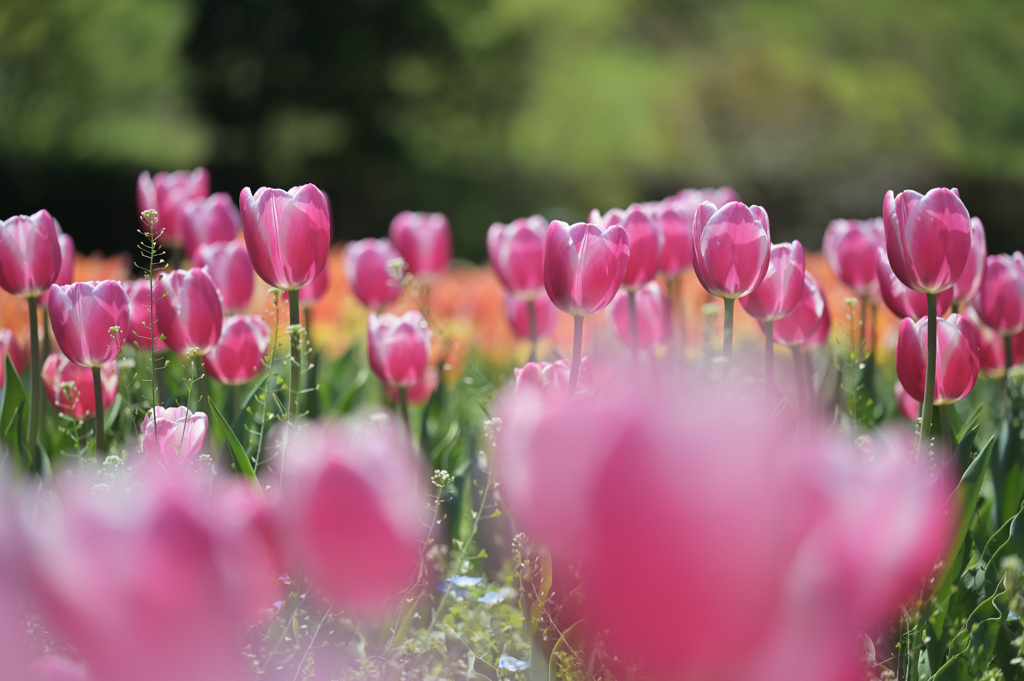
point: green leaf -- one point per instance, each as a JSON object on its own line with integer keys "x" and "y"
{"x": 13, "y": 396}
{"x": 564, "y": 647}
{"x": 236, "y": 425}
{"x": 110, "y": 415}
{"x": 242, "y": 462}
{"x": 956, "y": 669}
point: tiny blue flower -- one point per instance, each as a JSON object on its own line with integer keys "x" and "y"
{"x": 495, "y": 597}
{"x": 512, "y": 664}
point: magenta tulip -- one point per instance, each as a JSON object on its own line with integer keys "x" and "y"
{"x": 584, "y": 265}
{"x": 70, "y": 388}
{"x": 210, "y": 220}
{"x": 311, "y": 293}
{"x": 550, "y": 379}
{"x": 10, "y": 347}
{"x": 653, "y": 316}
{"x": 370, "y": 266}
{"x": 803, "y": 323}
{"x": 851, "y": 249}
{"x": 993, "y": 346}
{"x": 516, "y": 252}
{"x": 190, "y": 312}
{"x": 173, "y": 435}
{"x": 732, "y": 245}
{"x": 144, "y": 326}
{"x": 30, "y": 254}
{"x": 903, "y": 301}
{"x": 287, "y": 233}
{"x": 780, "y": 290}
{"x": 351, "y": 513}
{"x": 420, "y": 391}
{"x": 167, "y": 194}
{"x": 970, "y": 280}
{"x": 676, "y": 227}
{"x": 67, "y": 263}
{"x": 231, "y": 270}
{"x": 518, "y": 313}
{"x": 645, "y": 245}
{"x": 927, "y": 238}
{"x": 1000, "y": 300}
{"x": 424, "y": 240}
{"x": 90, "y": 320}
{"x": 957, "y": 358}
{"x": 238, "y": 355}
{"x": 398, "y": 347}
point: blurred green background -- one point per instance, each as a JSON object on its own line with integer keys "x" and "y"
{"x": 492, "y": 109}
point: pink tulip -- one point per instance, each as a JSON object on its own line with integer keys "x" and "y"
{"x": 691, "y": 198}
{"x": 804, "y": 322}
{"x": 516, "y": 252}
{"x": 584, "y": 265}
{"x": 732, "y": 245}
{"x": 70, "y": 388}
{"x": 231, "y": 270}
{"x": 957, "y": 358}
{"x": 139, "y": 313}
{"x": 550, "y": 379}
{"x": 351, "y": 512}
{"x": 420, "y": 391}
{"x": 820, "y": 336}
{"x": 645, "y": 245}
{"x": 927, "y": 238}
{"x": 903, "y": 301}
{"x": 424, "y": 240}
{"x": 10, "y": 347}
{"x": 851, "y": 248}
{"x": 1000, "y": 300}
{"x": 30, "y": 254}
{"x": 992, "y": 346}
{"x": 676, "y": 227}
{"x": 311, "y": 293}
{"x": 653, "y": 317}
{"x": 370, "y": 268}
{"x": 969, "y": 282}
{"x": 779, "y": 292}
{"x": 545, "y": 316}
{"x": 908, "y": 406}
{"x": 67, "y": 262}
{"x": 189, "y": 308}
{"x": 54, "y": 668}
{"x": 287, "y": 233}
{"x": 173, "y": 435}
{"x": 398, "y": 347}
{"x": 238, "y": 355}
{"x": 167, "y": 193}
{"x": 90, "y": 320}
{"x": 210, "y": 220}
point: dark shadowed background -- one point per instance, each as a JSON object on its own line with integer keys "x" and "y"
{"x": 492, "y": 109}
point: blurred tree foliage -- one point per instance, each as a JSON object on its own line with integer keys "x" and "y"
{"x": 490, "y": 109}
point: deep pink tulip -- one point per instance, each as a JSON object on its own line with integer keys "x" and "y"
{"x": 167, "y": 193}
{"x": 231, "y": 270}
{"x": 70, "y": 389}
{"x": 398, "y": 347}
{"x": 311, "y": 293}
{"x": 67, "y": 262}
{"x": 549, "y": 380}
{"x": 10, "y": 347}
{"x": 903, "y": 301}
{"x": 91, "y": 320}
{"x": 420, "y": 391}
{"x": 139, "y": 313}
{"x": 653, "y": 317}
{"x": 731, "y": 245}
{"x": 851, "y": 249}
{"x": 645, "y": 245}
{"x": 190, "y": 312}
{"x": 424, "y": 240}
{"x": 173, "y": 435}
{"x": 370, "y": 266}
{"x": 908, "y": 406}
{"x": 974, "y": 271}
{"x": 287, "y": 233}
{"x": 779, "y": 292}
{"x": 30, "y": 254}
{"x": 957, "y": 358}
{"x": 545, "y": 315}
{"x": 1000, "y": 300}
{"x": 676, "y": 227}
{"x": 584, "y": 265}
{"x": 210, "y": 220}
{"x": 238, "y": 355}
{"x": 927, "y": 238}
{"x": 992, "y": 346}
{"x": 804, "y": 322}
{"x": 516, "y": 252}
{"x": 821, "y": 336}
{"x": 351, "y": 512}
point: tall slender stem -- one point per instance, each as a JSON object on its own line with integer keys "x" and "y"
{"x": 531, "y": 316}
{"x": 46, "y": 332}
{"x": 727, "y": 333}
{"x": 97, "y": 390}
{"x": 634, "y": 342}
{"x": 295, "y": 335}
{"x": 769, "y": 355}
{"x": 862, "y": 347}
{"x": 199, "y": 373}
{"x": 577, "y": 355}
{"x": 308, "y": 320}
{"x": 35, "y": 402}
{"x": 929, "y": 378}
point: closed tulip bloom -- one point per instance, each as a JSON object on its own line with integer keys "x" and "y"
{"x": 90, "y": 320}
{"x": 545, "y": 316}
{"x": 974, "y": 271}
{"x": 173, "y": 435}
{"x": 516, "y": 252}
{"x": 904, "y": 301}
{"x": 653, "y": 318}
{"x": 144, "y": 327}
{"x": 231, "y": 270}
{"x": 287, "y": 233}
{"x": 677, "y": 238}
{"x": 398, "y": 347}
{"x": 645, "y": 244}
{"x": 584, "y": 265}
{"x": 851, "y": 249}
{"x": 210, "y": 220}
{"x": 1000, "y": 300}
{"x": 30, "y": 254}
{"x": 238, "y": 355}
{"x": 67, "y": 263}
{"x": 420, "y": 391}
{"x": 780, "y": 290}
{"x": 957, "y": 358}
{"x": 927, "y": 238}
{"x": 190, "y": 312}
{"x": 10, "y": 347}
{"x": 731, "y": 245}
{"x": 69, "y": 386}
{"x": 549, "y": 380}
{"x": 311, "y": 293}
{"x": 167, "y": 194}
{"x": 804, "y": 322}
{"x": 370, "y": 269}
{"x": 908, "y": 406}
{"x": 424, "y": 241}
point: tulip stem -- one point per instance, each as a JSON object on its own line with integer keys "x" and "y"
{"x": 295, "y": 334}
{"x": 199, "y": 376}
{"x": 531, "y": 315}
{"x": 862, "y": 349}
{"x": 874, "y": 328}
{"x": 46, "y": 332}
{"x": 577, "y": 354}
{"x": 769, "y": 356}
{"x": 97, "y": 391}
{"x": 727, "y": 332}
{"x": 633, "y": 340}
{"x": 35, "y": 393}
{"x": 929, "y": 378}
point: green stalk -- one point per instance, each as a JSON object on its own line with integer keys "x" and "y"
{"x": 46, "y": 332}
{"x": 97, "y": 390}
{"x": 295, "y": 334}
{"x": 874, "y": 327}
{"x": 577, "y": 354}
{"x": 862, "y": 348}
{"x": 727, "y": 332}
{"x": 531, "y": 314}
{"x": 35, "y": 403}
{"x": 199, "y": 374}
{"x": 929, "y": 378}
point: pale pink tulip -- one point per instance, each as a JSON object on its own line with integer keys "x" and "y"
{"x": 30, "y": 254}
{"x": 167, "y": 193}
{"x": 584, "y": 265}
{"x": 424, "y": 241}
{"x": 91, "y": 320}
{"x": 927, "y": 238}
{"x": 70, "y": 388}
{"x": 173, "y": 435}
{"x": 851, "y": 249}
{"x": 676, "y": 225}
{"x": 370, "y": 266}
{"x": 238, "y": 355}
{"x": 731, "y": 248}
{"x": 653, "y": 317}
{"x": 398, "y": 347}
{"x": 645, "y": 244}
{"x": 189, "y": 308}
{"x": 209, "y": 220}
{"x": 518, "y": 314}
{"x": 231, "y": 270}
{"x": 516, "y": 252}
{"x": 974, "y": 270}
{"x": 550, "y": 379}
{"x": 804, "y": 322}
{"x": 780, "y": 290}
{"x": 957, "y": 358}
